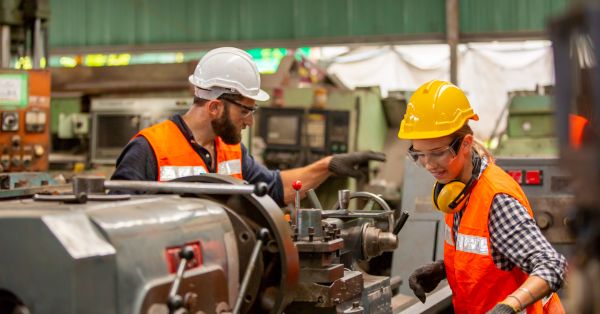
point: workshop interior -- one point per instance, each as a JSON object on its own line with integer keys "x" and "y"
{"x": 80, "y": 80}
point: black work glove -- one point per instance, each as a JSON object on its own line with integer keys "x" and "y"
{"x": 501, "y": 308}
{"x": 347, "y": 165}
{"x": 426, "y": 278}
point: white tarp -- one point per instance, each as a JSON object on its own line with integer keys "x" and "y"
{"x": 486, "y": 72}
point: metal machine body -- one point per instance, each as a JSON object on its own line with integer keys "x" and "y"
{"x": 214, "y": 245}
{"x": 79, "y": 244}
{"x": 530, "y": 128}
{"x": 124, "y": 118}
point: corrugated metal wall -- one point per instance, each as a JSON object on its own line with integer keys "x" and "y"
{"x": 488, "y": 16}
{"x": 94, "y": 23}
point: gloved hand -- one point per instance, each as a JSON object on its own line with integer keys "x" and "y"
{"x": 502, "y": 308}
{"x": 426, "y": 278}
{"x": 347, "y": 165}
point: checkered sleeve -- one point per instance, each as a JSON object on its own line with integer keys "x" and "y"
{"x": 517, "y": 240}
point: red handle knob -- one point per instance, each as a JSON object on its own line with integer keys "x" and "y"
{"x": 297, "y": 185}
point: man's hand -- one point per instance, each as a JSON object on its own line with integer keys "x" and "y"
{"x": 502, "y": 308}
{"x": 426, "y": 278}
{"x": 347, "y": 165}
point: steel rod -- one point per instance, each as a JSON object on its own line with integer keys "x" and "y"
{"x": 181, "y": 187}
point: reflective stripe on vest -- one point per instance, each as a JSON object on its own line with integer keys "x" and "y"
{"x": 476, "y": 282}
{"x": 448, "y": 235}
{"x": 176, "y": 157}
{"x": 471, "y": 244}
{"x": 173, "y": 172}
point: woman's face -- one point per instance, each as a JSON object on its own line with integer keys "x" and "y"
{"x": 439, "y": 158}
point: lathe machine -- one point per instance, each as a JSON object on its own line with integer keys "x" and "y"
{"x": 206, "y": 244}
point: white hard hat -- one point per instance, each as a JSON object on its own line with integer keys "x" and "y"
{"x": 227, "y": 70}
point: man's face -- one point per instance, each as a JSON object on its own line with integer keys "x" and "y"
{"x": 233, "y": 120}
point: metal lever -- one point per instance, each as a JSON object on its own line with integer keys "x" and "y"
{"x": 314, "y": 200}
{"x": 297, "y": 186}
{"x": 175, "y": 301}
{"x": 263, "y": 236}
{"x": 401, "y": 221}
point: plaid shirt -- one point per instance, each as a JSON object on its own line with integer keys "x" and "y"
{"x": 517, "y": 241}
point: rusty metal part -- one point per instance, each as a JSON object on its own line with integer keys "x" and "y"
{"x": 346, "y": 288}
{"x": 88, "y": 184}
{"x": 552, "y": 216}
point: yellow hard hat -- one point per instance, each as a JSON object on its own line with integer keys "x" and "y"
{"x": 436, "y": 109}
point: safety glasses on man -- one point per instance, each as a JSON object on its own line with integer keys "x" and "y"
{"x": 246, "y": 110}
{"x": 440, "y": 156}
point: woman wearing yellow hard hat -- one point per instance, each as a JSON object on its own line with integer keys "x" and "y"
{"x": 495, "y": 258}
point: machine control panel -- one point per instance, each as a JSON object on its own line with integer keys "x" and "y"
{"x": 24, "y": 111}
{"x": 296, "y": 136}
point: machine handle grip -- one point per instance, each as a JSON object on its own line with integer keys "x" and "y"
{"x": 175, "y": 301}
{"x": 401, "y": 221}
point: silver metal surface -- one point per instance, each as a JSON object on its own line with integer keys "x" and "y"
{"x": 309, "y": 219}
{"x": 180, "y": 187}
{"x": 343, "y": 199}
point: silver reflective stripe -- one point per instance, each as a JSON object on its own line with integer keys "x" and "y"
{"x": 471, "y": 244}
{"x": 230, "y": 167}
{"x": 546, "y": 298}
{"x": 173, "y": 172}
{"x": 448, "y": 235}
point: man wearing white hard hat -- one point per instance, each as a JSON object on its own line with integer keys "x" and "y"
{"x": 207, "y": 139}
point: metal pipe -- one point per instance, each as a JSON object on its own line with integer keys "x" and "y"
{"x": 37, "y": 44}
{"x": 5, "y": 49}
{"x": 259, "y": 189}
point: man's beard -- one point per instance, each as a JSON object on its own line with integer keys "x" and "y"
{"x": 225, "y": 129}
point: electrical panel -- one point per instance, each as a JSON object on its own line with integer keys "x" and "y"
{"x": 24, "y": 110}
{"x": 295, "y": 137}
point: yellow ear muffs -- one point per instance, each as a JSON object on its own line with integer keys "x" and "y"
{"x": 450, "y": 197}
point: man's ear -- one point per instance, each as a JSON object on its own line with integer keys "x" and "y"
{"x": 215, "y": 108}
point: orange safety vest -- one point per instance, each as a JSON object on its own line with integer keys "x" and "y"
{"x": 576, "y": 126}
{"x": 177, "y": 158}
{"x": 477, "y": 284}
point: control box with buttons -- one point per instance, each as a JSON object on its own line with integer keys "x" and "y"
{"x": 296, "y": 137}
{"x": 24, "y": 112}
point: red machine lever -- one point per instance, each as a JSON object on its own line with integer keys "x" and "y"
{"x": 297, "y": 185}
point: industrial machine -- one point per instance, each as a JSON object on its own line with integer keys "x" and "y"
{"x": 114, "y": 121}
{"x": 207, "y": 244}
{"x": 530, "y": 130}
{"x": 24, "y": 114}
{"x": 295, "y": 137}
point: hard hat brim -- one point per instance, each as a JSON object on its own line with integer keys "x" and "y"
{"x": 262, "y": 96}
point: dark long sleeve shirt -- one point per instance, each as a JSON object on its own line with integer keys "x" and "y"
{"x": 138, "y": 162}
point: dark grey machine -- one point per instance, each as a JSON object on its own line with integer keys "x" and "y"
{"x": 207, "y": 244}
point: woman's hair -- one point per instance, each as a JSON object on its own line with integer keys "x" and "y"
{"x": 477, "y": 145}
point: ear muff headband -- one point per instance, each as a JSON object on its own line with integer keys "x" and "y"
{"x": 450, "y": 197}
